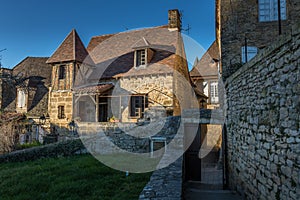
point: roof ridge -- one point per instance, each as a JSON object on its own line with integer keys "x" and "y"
{"x": 132, "y": 30}
{"x": 74, "y": 43}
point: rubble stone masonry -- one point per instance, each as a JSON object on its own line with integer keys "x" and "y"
{"x": 263, "y": 123}
{"x": 61, "y": 95}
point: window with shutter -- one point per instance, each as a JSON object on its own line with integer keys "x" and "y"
{"x": 21, "y": 99}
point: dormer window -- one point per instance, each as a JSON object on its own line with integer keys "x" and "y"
{"x": 142, "y": 52}
{"x": 140, "y": 57}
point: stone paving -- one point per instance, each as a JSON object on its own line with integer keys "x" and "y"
{"x": 210, "y": 186}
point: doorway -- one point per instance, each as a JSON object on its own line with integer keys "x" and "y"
{"x": 103, "y": 109}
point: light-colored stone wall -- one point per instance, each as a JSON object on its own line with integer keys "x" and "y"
{"x": 61, "y": 99}
{"x": 263, "y": 123}
{"x": 61, "y": 95}
{"x": 158, "y": 87}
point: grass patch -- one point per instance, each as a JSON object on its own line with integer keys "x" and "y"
{"x": 76, "y": 177}
{"x": 28, "y": 145}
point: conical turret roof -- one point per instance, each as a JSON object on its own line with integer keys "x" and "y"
{"x": 71, "y": 49}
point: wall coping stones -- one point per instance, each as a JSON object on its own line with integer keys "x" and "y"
{"x": 164, "y": 184}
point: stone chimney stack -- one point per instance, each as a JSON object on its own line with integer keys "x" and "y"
{"x": 174, "y": 19}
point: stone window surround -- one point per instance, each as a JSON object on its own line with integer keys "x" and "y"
{"x": 271, "y": 15}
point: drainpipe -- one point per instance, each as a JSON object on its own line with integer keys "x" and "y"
{"x": 279, "y": 17}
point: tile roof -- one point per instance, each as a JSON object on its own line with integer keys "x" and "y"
{"x": 114, "y": 54}
{"x": 34, "y": 74}
{"x": 142, "y": 43}
{"x": 33, "y": 69}
{"x": 100, "y": 88}
{"x": 207, "y": 66}
{"x": 71, "y": 49}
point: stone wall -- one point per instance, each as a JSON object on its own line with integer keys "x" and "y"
{"x": 239, "y": 19}
{"x": 61, "y": 95}
{"x": 65, "y": 148}
{"x": 165, "y": 184}
{"x": 60, "y": 98}
{"x": 263, "y": 123}
{"x": 158, "y": 87}
{"x": 130, "y": 136}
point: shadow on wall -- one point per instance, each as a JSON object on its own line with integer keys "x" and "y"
{"x": 58, "y": 133}
{"x": 10, "y": 96}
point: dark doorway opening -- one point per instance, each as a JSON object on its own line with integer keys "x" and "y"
{"x": 103, "y": 109}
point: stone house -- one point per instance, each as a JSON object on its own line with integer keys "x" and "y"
{"x": 205, "y": 75}
{"x": 33, "y": 78}
{"x": 121, "y": 76}
{"x": 24, "y": 90}
{"x": 243, "y": 28}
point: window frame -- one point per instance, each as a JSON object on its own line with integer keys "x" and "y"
{"x": 142, "y": 104}
{"x": 62, "y": 72}
{"x": 268, "y": 10}
{"x": 61, "y": 112}
{"x": 252, "y": 51}
{"x": 23, "y": 96}
{"x": 214, "y": 92}
{"x": 140, "y": 57}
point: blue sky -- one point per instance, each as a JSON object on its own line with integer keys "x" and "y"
{"x": 37, "y": 27}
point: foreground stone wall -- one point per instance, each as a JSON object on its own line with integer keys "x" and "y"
{"x": 65, "y": 148}
{"x": 263, "y": 123}
{"x": 130, "y": 136}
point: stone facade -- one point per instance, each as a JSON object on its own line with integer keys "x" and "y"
{"x": 159, "y": 88}
{"x": 263, "y": 123}
{"x": 237, "y": 20}
{"x": 61, "y": 95}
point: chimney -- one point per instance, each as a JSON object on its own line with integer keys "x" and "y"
{"x": 174, "y": 19}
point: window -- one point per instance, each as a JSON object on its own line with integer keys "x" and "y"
{"x": 61, "y": 112}
{"x": 140, "y": 57}
{"x": 251, "y": 52}
{"x": 268, "y": 10}
{"x": 21, "y": 99}
{"x": 62, "y": 72}
{"x": 138, "y": 105}
{"x": 214, "y": 96}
